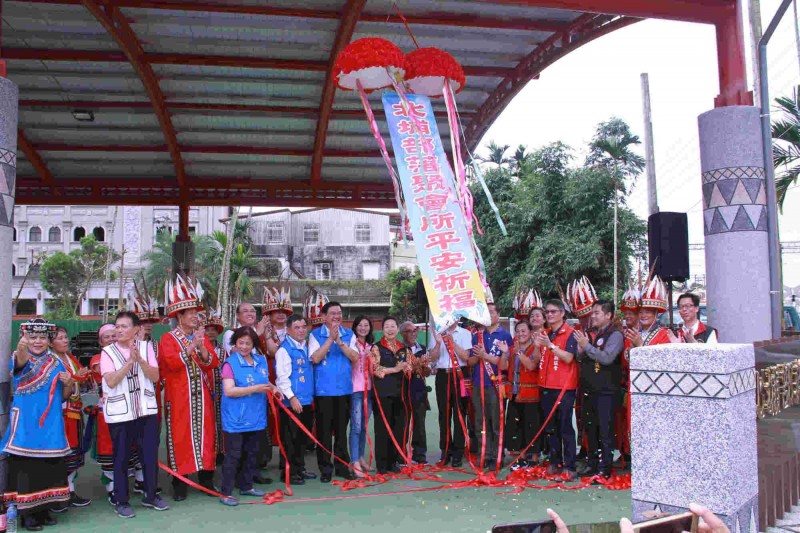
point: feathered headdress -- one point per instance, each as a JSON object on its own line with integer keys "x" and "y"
{"x": 524, "y": 301}
{"x": 632, "y": 299}
{"x": 581, "y": 296}
{"x": 654, "y": 295}
{"x": 212, "y": 319}
{"x": 145, "y": 307}
{"x": 313, "y": 302}
{"x": 183, "y": 294}
{"x": 278, "y": 299}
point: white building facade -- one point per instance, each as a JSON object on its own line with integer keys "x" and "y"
{"x": 43, "y": 230}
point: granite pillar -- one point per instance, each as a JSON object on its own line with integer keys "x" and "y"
{"x": 693, "y": 431}
{"x": 9, "y": 97}
{"x": 735, "y": 223}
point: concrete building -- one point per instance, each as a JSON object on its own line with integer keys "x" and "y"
{"x": 43, "y": 230}
{"x": 325, "y": 244}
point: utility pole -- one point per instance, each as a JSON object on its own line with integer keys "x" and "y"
{"x": 754, "y": 7}
{"x": 796, "y": 31}
{"x": 649, "y": 152}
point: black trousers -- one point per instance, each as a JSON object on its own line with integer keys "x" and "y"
{"x": 522, "y": 423}
{"x": 561, "y": 434}
{"x": 419, "y": 440}
{"x": 143, "y": 432}
{"x": 246, "y": 447}
{"x": 386, "y": 454}
{"x": 332, "y": 417}
{"x": 449, "y": 413}
{"x": 294, "y": 440}
{"x": 598, "y": 419}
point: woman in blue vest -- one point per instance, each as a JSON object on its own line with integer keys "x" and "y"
{"x": 245, "y": 384}
{"x": 390, "y": 355}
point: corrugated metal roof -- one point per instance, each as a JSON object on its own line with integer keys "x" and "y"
{"x": 242, "y": 86}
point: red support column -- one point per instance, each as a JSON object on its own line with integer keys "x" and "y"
{"x": 183, "y": 223}
{"x": 731, "y": 60}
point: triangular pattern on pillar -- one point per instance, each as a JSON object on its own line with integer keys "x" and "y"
{"x": 708, "y": 188}
{"x": 3, "y": 216}
{"x": 8, "y": 202}
{"x": 754, "y": 212}
{"x": 726, "y": 188}
{"x": 717, "y": 200}
{"x": 10, "y": 177}
{"x": 740, "y": 195}
{"x": 729, "y": 213}
{"x": 762, "y": 222}
{"x": 4, "y": 182}
{"x": 752, "y": 186}
{"x": 742, "y": 221}
{"x": 718, "y": 224}
{"x": 708, "y": 217}
{"x": 762, "y": 196}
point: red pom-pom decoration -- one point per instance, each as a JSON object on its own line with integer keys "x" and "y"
{"x": 367, "y": 60}
{"x": 427, "y": 68}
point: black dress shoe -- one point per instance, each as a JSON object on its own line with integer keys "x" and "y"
{"x": 325, "y": 477}
{"x": 31, "y": 523}
{"x": 457, "y": 462}
{"x": 308, "y": 475}
{"x": 588, "y": 471}
{"x": 46, "y": 519}
{"x": 396, "y": 468}
{"x": 60, "y": 507}
{"x": 261, "y": 480}
{"x": 346, "y": 474}
{"x": 445, "y": 460}
{"x": 77, "y": 501}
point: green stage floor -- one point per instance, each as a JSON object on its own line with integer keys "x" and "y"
{"x": 462, "y": 510}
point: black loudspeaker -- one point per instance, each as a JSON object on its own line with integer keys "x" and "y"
{"x": 668, "y": 245}
{"x": 422, "y": 298}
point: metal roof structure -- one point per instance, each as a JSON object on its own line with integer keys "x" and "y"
{"x": 231, "y": 102}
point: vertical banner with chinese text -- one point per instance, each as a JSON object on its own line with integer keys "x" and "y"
{"x": 444, "y": 253}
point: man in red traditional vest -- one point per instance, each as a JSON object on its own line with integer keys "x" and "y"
{"x": 558, "y": 370}
{"x": 654, "y": 302}
{"x": 693, "y": 330}
{"x": 187, "y": 360}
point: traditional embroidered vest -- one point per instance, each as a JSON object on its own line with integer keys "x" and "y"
{"x": 333, "y": 376}
{"x": 302, "y": 378}
{"x": 134, "y": 396}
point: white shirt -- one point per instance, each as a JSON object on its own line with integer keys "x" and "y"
{"x": 462, "y": 338}
{"x": 283, "y": 368}
{"x": 313, "y": 344}
{"x": 712, "y": 338}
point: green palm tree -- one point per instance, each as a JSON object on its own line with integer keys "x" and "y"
{"x": 520, "y": 157}
{"x": 611, "y": 149}
{"x": 786, "y": 144}
{"x": 159, "y": 264}
{"x": 497, "y": 155}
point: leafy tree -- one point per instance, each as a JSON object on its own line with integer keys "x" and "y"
{"x": 611, "y": 149}
{"x": 68, "y": 277}
{"x": 560, "y": 225}
{"x": 497, "y": 155}
{"x": 404, "y": 294}
{"x": 786, "y": 144}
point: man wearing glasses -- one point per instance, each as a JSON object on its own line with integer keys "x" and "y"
{"x": 557, "y": 371}
{"x": 693, "y": 330}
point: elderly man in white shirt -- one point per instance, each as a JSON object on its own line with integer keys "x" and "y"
{"x": 294, "y": 376}
{"x": 452, "y": 397}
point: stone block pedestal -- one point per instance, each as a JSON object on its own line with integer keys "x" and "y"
{"x": 693, "y": 431}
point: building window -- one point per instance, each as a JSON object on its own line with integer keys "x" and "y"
{"x": 324, "y": 271}
{"x": 311, "y": 233}
{"x": 371, "y": 270}
{"x": 26, "y": 307}
{"x": 54, "y": 235}
{"x": 35, "y": 234}
{"x": 192, "y": 230}
{"x": 99, "y": 234}
{"x": 15, "y": 234}
{"x": 78, "y": 234}
{"x": 13, "y": 269}
{"x": 362, "y": 234}
{"x": 275, "y": 233}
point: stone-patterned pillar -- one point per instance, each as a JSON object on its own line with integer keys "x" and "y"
{"x": 693, "y": 431}
{"x": 9, "y": 99}
{"x": 735, "y": 213}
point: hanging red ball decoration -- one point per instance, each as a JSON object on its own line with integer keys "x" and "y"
{"x": 427, "y": 68}
{"x": 367, "y": 60}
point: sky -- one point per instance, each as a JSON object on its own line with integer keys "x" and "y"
{"x": 602, "y": 79}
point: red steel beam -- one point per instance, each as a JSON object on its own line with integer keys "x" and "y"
{"x": 201, "y": 149}
{"x": 347, "y": 27}
{"x": 35, "y": 159}
{"x": 118, "y": 28}
{"x": 429, "y": 18}
{"x": 193, "y": 106}
{"x": 705, "y": 11}
{"x": 583, "y": 30}
{"x": 104, "y": 56}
